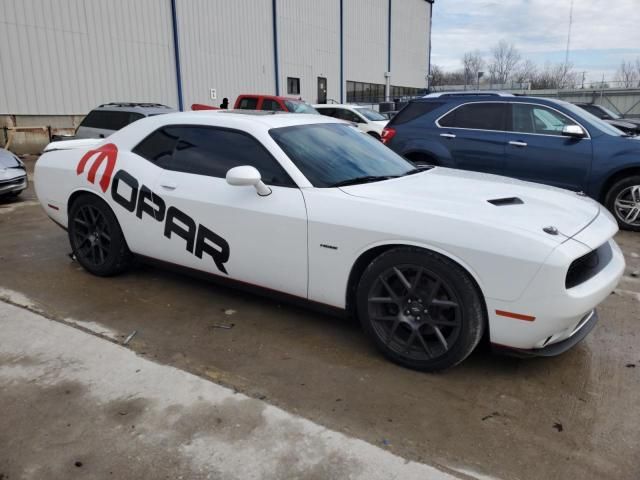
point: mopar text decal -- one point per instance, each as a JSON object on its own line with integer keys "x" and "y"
{"x": 199, "y": 239}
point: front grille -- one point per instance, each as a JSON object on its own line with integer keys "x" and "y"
{"x": 13, "y": 181}
{"x": 588, "y": 266}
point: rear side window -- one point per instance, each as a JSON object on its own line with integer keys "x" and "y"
{"x": 109, "y": 120}
{"x": 210, "y": 151}
{"x": 272, "y": 105}
{"x": 413, "y": 111}
{"x": 478, "y": 116}
{"x": 158, "y": 147}
{"x": 248, "y": 103}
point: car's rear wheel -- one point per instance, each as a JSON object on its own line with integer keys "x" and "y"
{"x": 623, "y": 200}
{"x": 421, "y": 309}
{"x": 96, "y": 238}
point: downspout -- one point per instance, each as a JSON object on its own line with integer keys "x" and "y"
{"x": 275, "y": 45}
{"x": 341, "y": 51}
{"x": 387, "y": 74}
{"x": 176, "y": 51}
{"x": 429, "y": 50}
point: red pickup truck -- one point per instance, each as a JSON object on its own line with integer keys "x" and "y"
{"x": 273, "y": 103}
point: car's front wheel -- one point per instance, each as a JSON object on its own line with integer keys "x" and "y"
{"x": 623, "y": 200}
{"x": 421, "y": 309}
{"x": 96, "y": 238}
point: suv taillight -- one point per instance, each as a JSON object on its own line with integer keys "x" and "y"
{"x": 387, "y": 134}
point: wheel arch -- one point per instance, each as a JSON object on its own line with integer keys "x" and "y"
{"x": 370, "y": 253}
{"x": 422, "y": 156}
{"x": 614, "y": 178}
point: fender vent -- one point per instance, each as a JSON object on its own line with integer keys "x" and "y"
{"x": 503, "y": 202}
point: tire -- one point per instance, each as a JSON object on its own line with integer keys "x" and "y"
{"x": 96, "y": 238}
{"x": 623, "y": 201}
{"x": 433, "y": 325}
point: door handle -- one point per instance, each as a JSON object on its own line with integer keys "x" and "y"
{"x": 518, "y": 144}
{"x": 168, "y": 185}
{"x": 447, "y": 135}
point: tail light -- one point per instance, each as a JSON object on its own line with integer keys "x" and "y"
{"x": 387, "y": 134}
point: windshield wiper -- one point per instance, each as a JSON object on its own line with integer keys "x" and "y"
{"x": 365, "y": 179}
{"x": 418, "y": 169}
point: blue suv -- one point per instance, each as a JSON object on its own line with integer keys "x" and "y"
{"x": 535, "y": 139}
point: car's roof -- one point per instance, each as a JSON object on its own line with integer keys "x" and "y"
{"x": 469, "y": 98}
{"x": 272, "y": 97}
{"x": 338, "y": 105}
{"x": 259, "y": 118}
{"x": 144, "y": 108}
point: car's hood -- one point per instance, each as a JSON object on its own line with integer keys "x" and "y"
{"x": 635, "y": 121}
{"x": 622, "y": 123}
{"x": 516, "y": 204}
{"x": 11, "y": 173}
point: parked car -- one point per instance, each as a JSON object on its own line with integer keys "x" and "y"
{"x": 110, "y": 117}
{"x": 13, "y": 174}
{"x": 273, "y": 103}
{"x": 366, "y": 119}
{"x": 536, "y": 139}
{"x": 307, "y": 206}
{"x": 627, "y": 125}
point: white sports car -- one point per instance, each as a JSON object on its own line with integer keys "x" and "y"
{"x": 429, "y": 260}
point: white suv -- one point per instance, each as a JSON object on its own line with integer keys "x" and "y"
{"x": 367, "y": 120}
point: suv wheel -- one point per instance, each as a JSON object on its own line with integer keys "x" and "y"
{"x": 623, "y": 200}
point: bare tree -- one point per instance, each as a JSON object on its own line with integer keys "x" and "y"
{"x": 525, "y": 72}
{"x": 555, "y": 76}
{"x": 473, "y": 63}
{"x": 437, "y": 76}
{"x": 627, "y": 74}
{"x": 505, "y": 57}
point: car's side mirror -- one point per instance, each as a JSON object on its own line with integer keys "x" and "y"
{"x": 574, "y": 131}
{"x": 245, "y": 176}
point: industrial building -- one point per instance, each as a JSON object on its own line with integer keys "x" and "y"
{"x": 66, "y": 57}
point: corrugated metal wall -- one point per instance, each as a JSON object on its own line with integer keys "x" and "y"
{"x": 65, "y": 57}
{"x": 365, "y": 40}
{"x": 409, "y": 42}
{"x": 309, "y": 46}
{"x": 225, "y": 45}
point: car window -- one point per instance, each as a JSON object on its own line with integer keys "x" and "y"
{"x": 107, "y": 119}
{"x": 158, "y": 147}
{"x": 330, "y": 153}
{"x": 478, "y": 116}
{"x": 296, "y": 106}
{"x": 210, "y": 151}
{"x": 414, "y": 110}
{"x": 133, "y": 116}
{"x": 348, "y": 115}
{"x": 272, "y": 105}
{"x": 538, "y": 119}
{"x": 371, "y": 114}
{"x": 329, "y": 112}
{"x": 248, "y": 103}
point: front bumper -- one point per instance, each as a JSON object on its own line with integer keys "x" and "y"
{"x": 579, "y": 333}
{"x": 16, "y": 184}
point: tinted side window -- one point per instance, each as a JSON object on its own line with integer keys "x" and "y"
{"x": 133, "y": 116}
{"x": 108, "y": 120}
{"x": 268, "y": 104}
{"x": 329, "y": 112}
{"x": 158, "y": 147}
{"x": 479, "y": 116}
{"x": 213, "y": 151}
{"x": 414, "y": 110}
{"x": 248, "y": 103}
{"x": 347, "y": 115}
{"x": 538, "y": 119}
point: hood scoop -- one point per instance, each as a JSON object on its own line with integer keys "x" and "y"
{"x": 503, "y": 202}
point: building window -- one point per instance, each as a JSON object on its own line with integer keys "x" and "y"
{"x": 293, "y": 86}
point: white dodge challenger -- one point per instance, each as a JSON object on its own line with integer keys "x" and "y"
{"x": 308, "y": 207}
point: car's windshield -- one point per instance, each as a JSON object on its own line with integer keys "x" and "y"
{"x": 299, "y": 107}
{"x": 371, "y": 114}
{"x": 330, "y": 153}
{"x": 611, "y": 113}
{"x": 600, "y": 124}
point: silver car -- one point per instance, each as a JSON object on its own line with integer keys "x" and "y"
{"x": 110, "y": 117}
{"x": 13, "y": 174}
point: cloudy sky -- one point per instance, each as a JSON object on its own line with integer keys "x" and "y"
{"x": 604, "y": 32}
